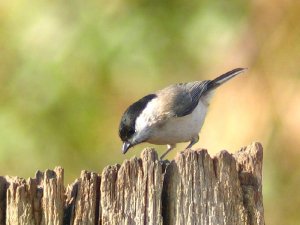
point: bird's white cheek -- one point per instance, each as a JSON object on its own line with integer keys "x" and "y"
{"x": 144, "y": 122}
{"x": 147, "y": 117}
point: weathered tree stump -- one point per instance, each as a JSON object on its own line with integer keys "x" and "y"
{"x": 194, "y": 188}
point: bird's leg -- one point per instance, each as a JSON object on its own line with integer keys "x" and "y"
{"x": 193, "y": 141}
{"x": 170, "y": 147}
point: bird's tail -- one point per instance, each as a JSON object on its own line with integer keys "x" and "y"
{"x": 213, "y": 84}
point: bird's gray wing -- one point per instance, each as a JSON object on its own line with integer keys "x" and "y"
{"x": 184, "y": 97}
{"x": 195, "y": 91}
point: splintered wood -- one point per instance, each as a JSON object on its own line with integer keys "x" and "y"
{"x": 35, "y": 201}
{"x": 132, "y": 193}
{"x": 194, "y": 188}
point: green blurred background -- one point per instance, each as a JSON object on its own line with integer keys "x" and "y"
{"x": 68, "y": 70}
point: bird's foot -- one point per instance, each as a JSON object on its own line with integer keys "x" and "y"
{"x": 170, "y": 147}
{"x": 193, "y": 141}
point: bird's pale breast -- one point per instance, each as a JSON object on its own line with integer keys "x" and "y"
{"x": 179, "y": 129}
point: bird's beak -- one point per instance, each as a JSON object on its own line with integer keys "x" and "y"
{"x": 126, "y": 146}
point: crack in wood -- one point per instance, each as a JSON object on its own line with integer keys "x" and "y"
{"x": 194, "y": 188}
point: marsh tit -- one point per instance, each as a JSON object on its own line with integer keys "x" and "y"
{"x": 172, "y": 115}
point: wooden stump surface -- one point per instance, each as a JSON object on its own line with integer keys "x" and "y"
{"x": 194, "y": 188}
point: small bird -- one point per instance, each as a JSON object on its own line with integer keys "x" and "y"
{"x": 172, "y": 115}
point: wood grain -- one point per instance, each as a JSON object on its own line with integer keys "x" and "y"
{"x": 194, "y": 188}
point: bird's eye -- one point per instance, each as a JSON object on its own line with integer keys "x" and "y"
{"x": 130, "y": 132}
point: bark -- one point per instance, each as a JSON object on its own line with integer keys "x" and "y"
{"x": 131, "y": 194}
{"x": 3, "y": 190}
{"x": 225, "y": 189}
{"x": 82, "y": 204}
{"x": 194, "y": 188}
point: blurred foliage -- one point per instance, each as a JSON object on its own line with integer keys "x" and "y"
{"x": 69, "y": 69}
